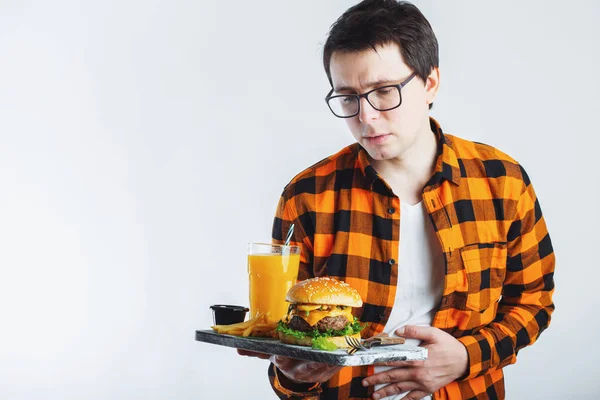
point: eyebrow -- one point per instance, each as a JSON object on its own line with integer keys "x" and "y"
{"x": 374, "y": 84}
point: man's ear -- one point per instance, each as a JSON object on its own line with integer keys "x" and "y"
{"x": 432, "y": 84}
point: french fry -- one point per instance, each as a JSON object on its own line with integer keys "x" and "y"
{"x": 265, "y": 326}
{"x": 257, "y": 326}
{"x": 232, "y": 331}
{"x": 248, "y": 331}
{"x": 239, "y": 325}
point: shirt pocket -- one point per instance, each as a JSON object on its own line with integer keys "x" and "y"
{"x": 485, "y": 270}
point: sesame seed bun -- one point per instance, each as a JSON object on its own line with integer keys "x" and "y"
{"x": 324, "y": 291}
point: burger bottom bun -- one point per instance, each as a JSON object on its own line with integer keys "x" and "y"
{"x": 338, "y": 341}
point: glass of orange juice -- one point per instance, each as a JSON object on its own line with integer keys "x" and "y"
{"x": 272, "y": 271}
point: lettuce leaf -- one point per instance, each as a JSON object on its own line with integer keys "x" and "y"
{"x": 350, "y": 329}
{"x": 321, "y": 343}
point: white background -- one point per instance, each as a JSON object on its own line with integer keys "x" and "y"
{"x": 143, "y": 143}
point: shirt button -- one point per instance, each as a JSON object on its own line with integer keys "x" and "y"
{"x": 381, "y": 316}
{"x": 391, "y": 261}
{"x": 391, "y": 210}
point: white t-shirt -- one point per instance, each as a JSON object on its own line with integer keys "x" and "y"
{"x": 420, "y": 276}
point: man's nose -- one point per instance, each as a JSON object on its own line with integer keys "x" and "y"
{"x": 367, "y": 112}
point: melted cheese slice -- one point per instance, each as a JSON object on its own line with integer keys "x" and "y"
{"x": 307, "y": 307}
{"x": 315, "y": 316}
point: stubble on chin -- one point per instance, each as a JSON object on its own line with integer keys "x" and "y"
{"x": 378, "y": 154}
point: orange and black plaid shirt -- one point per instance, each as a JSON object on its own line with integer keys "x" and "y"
{"x": 499, "y": 260}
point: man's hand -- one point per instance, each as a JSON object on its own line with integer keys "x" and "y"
{"x": 297, "y": 370}
{"x": 447, "y": 361}
{"x": 248, "y": 353}
{"x": 304, "y": 371}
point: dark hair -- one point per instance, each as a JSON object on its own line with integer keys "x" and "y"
{"x": 373, "y": 23}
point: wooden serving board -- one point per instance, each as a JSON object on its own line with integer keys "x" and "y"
{"x": 400, "y": 352}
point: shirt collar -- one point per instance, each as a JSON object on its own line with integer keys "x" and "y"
{"x": 447, "y": 166}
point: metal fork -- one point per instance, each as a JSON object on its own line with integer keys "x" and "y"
{"x": 355, "y": 345}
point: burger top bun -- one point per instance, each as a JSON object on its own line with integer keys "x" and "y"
{"x": 324, "y": 291}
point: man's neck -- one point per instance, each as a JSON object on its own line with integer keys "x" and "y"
{"x": 408, "y": 173}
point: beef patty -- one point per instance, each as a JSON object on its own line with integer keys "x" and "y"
{"x": 334, "y": 323}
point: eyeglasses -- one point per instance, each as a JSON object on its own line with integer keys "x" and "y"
{"x": 383, "y": 98}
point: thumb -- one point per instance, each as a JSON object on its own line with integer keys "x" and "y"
{"x": 424, "y": 333}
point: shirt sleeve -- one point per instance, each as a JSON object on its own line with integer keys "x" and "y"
{"x": 286, "y": 389}
{"x": 526, "y": 305}
{"x": 286, "y": 215}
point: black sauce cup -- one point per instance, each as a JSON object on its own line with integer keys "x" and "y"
{"x": 227, "y": 315}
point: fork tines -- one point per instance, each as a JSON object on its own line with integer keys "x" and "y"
{"x": 354, "y": 344}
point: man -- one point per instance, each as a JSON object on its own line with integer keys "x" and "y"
{"x": 443, "y": 238}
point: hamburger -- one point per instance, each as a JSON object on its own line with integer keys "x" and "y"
{"x": 320, "y": 314}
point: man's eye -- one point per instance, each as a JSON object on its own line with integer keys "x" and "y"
{"x": 383, "y": 92}
{"x": 347, "y": 100}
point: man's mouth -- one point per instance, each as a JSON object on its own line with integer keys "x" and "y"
{"x": 377, "y": 138}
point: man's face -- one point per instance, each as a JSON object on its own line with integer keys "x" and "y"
{"x": 384, "y": 134}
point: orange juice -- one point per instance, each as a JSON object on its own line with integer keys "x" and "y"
{"x": 271, "y": 276}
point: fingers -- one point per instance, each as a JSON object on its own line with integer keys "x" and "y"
{"x": 248, "y": 353}
{"x": 304, "y": 371}
{"x": 401, "y": 380}
{"x": 389, "y": 376}
{"x": 415, "y": 363}
{"x": 396, "y": 388}
{"x": 310, "y": 368}
{"x": 283, "y": 363}
{"x": 382, "y": 334}
{"x": 425, "y": 333}
{"x": 415, "y": 395}
{"x": 303, "y": 366}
